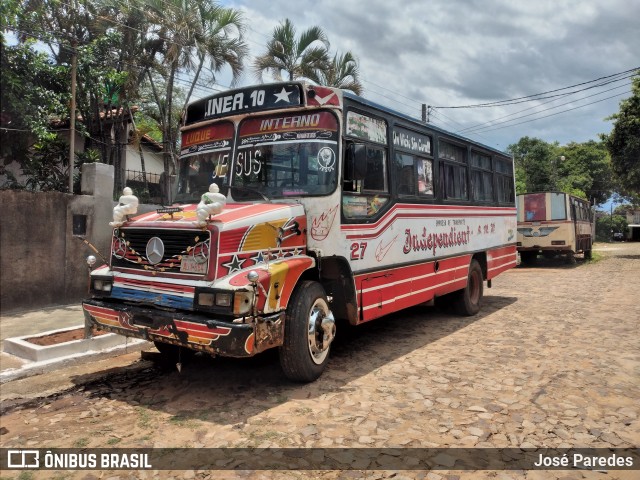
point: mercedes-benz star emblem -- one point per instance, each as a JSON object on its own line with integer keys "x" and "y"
{"x": 155, "y": 250}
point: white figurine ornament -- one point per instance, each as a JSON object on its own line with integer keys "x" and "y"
{"x": 127, "y": 205}
{"x": 211, "y": 203}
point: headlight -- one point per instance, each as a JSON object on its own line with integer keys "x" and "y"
{"x": 242, "y": 302}
{"x": 206, "y": 299}
{"x": 224, "y": 301}
{"x": 101, "y": 285}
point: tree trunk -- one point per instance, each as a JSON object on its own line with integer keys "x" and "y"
{"x": 138, "y": 137}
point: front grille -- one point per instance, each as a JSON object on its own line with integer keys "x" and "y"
{"x": 129, "y": 245}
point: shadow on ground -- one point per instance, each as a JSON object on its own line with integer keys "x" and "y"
{"x": 228, "y": 391}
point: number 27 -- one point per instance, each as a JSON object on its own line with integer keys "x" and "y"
{"x": 357, "y": 250}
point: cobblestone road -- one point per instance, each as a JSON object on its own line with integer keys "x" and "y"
{"x": 553, "y": 360}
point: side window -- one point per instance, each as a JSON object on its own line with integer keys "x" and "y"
{"x": 368, "y": 191}
{"x": 504, "y": 181}
{"x": 414, "y": 175}
{"x": 375, "y": 179}
{"x": 406, "y": 175}
{"x": 425, "y": 176}
{"x": 481, "y": 177}
{"x": 453, "y": 171}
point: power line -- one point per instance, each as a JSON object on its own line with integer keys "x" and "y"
{"x": 553, "y": 114}
{"x": 532, "y": 97}
{"x": 479, "y": 128}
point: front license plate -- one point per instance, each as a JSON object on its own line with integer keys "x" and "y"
{"x": 189, "y": 265}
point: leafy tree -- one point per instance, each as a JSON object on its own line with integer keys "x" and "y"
{"x": 607, "y": 224}
{"x": 624, "y": 142}
{"x": 586, "y": 168}
{"x": 122, "y": 45}
{"x": 194, "y": 34}
{"x": 342, "y": 72}
{"x": 298, "y": 57}
{"x": 47, "y": 165}
{"x": 71, "y": 31}
{"x": 33, "y": 92}
{"x": 536, "y": 163}
{"x": 581, "y": 169}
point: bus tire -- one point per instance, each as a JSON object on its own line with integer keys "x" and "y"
{"x": 469, "y": 299}
{"x": 308, "y": 332}
{"x": 529, "y": 258}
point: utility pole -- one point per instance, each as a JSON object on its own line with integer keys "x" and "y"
{"x": 426, "y": 112}
{"x": 72, "y": 117}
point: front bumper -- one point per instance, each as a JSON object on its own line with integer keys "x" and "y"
{"x": 548, "y": 248}
{"x": 191, "y": 330}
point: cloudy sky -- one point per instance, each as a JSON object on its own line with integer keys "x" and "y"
{"x": 448, "y": 53}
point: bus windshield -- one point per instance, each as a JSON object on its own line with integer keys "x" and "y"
{"x": 276, "y": 156}
{"x": 204, "y": 159}
{"x": 539, "y": 207}
{"x": 287, "y": 155}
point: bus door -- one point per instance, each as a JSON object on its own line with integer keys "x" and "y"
{"x": 576, "y": 247}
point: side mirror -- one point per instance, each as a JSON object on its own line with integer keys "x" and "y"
{"x": 356, "y": 162}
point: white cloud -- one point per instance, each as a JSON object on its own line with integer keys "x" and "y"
{"x": 445, "y": 53}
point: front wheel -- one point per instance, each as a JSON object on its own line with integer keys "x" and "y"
{"x": 469, "y": 299}
{"x": 308, "y": 332}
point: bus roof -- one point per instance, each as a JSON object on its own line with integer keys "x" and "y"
{"x": 201, "y": 109}
{"x": 417, "y": 122}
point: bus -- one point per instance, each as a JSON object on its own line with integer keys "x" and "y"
{"x": 553, "y": 224}
{"x": 296, "y": 206}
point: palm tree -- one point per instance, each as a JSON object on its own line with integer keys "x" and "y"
{"x": 342, "y": 72}
{"x": 297, "y": 56}
{"x": 195, "y": 33}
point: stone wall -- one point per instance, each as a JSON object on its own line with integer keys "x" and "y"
{"x": 42, "y": 253}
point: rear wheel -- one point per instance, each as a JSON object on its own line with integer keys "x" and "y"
{"x": 308, "y": 333}
{"x": 528, "y": 258}
{"x": 469, "y": 299}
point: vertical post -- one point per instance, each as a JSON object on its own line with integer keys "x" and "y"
{"x": 424, "y": 112}
{"x": 611, "y": 219}
{"x": 72, "y": 115}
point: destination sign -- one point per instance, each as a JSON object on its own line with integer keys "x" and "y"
{"x": 245, "y": 100}
{"x": 408, "y": 140}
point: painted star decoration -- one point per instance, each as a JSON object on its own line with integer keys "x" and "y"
{"x": 259, "y": 258}
{"x": 283, "y": 95}
{"x": 235, "y": 264}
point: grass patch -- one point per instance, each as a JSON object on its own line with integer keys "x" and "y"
{"x": 144, "y": 418}
{"x": 302, "y": 410}
{"x": 595, "y": 257}
{"x": 184, "y": 421}
{"x": 81, "y": 443}
{"x": 268, "y": 435}
{"x": 113, "y": 441}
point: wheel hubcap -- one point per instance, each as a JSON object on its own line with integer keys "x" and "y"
{"x": 322, "y": 330}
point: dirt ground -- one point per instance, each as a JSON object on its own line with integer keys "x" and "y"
{"x": 552, "y": 360}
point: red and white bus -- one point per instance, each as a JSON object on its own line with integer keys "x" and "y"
{"x": 554, "y": 223}
{"x": 329, "y": 207}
